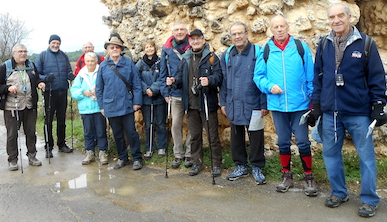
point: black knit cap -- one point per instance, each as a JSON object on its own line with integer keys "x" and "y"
{"x": 54, "y": 37}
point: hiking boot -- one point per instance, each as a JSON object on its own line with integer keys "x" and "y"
{"x": 103, "y": 157}
{"x": 366, "y": 210}
{"x": 161, "y": 153}
{"x": 137, "y": 165}
{"x": 309, "y": 185}
{"x": 258, "y": 176}
{"x": 216, "y": 171}
{"x": 188, "y": 162}
{"x": 148, "y": 155}
{"x": 176, "y": 163}
{"x": 334, "y": 201}
{"x": 195, "y": 170}
{"x": 239, "y": 172}
{"x": 49, "y": 153}
{"x": 89, "y": 157}
{"x": 12, "y": 166}
{"x": 65, "y": 149}
{"x": 287, "y": 182}
{"x": 120, "y": 164}
{"x": 32, "y": 159}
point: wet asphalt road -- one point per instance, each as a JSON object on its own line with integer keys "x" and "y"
{"x": 67, "y": 191}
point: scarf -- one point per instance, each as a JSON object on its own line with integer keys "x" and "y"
{"x": 181, "y": 46}
{"x": 150, "y": 62}
{"x": 340, "y": 42}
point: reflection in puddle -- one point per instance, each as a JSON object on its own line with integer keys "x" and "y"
{"x": 80, "y": 182}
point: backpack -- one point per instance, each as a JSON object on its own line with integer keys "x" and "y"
{"x": 300, "y": 50}
{"x": 8, "y": 72}
{"x": 227, "y": 56}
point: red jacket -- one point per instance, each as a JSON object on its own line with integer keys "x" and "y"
{"x": 81, "y": 63}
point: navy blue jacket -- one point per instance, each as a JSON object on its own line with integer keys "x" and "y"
{"x": 56, "y": 63}
{"x": 212, "y": 71}
{"x": 168, "y": 67}
{"x": 364, "y": 83}
{"x": 150, "y": 79}
{"x": 238, "y": 92}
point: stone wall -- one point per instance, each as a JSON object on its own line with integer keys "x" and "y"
{"x": 138, "y": 20}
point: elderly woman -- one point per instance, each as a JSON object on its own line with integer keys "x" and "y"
{"x": 154, "y": 107}
{"x": 94, "y": 123}
{"x": 119, "y": 96}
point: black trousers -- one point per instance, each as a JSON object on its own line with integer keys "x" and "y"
{"x": 239, "y": 150}
{"x": 27, "y": 119}
{"x": 196, "y": 121}
{"x": 56, "y": 104}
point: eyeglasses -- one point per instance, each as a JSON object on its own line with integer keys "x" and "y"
{"x": 114, "y": 47}
{"x": 22, "y": 51}
{"x": 238, "y": 33}
{"x": 179, "y": 29}
{"x": 88, "y": 47}
{"x": 196, "y": 38}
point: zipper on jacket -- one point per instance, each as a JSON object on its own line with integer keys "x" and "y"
{"x": 285, "y": 88}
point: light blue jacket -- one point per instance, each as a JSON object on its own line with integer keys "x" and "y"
{"x": 286, "y": 69}
{"x": 83, "y": 82}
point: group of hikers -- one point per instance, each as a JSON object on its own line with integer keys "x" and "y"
{"x": 342, "y": 89}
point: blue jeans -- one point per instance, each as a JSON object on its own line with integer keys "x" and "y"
{"x": 119, "y": 124}
{"x": 159, "y": 121}
{"x": 357, "y": 126}
{"x": 287, "y": 123}
{"x": 94, "y": 128}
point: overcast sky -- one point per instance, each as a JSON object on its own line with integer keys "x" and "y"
{"x": 75, "y": 21}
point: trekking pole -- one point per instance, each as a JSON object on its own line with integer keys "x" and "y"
{"x": 18, "y": 132}
{"x": 71, "y": 117}
{"x": 47, "y": 119}
{"x": 45, "y": 128}
{"x": 208, "y": 132}
{"x": 151, "y": 128}
{"x": 168, "y": 117}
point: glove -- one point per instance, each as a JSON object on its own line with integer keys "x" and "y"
{"x": 378, "y": 113}
{"x": 71, "y": 76}
{"x": 314, "y": 114}
{"x": 50, "y": 78}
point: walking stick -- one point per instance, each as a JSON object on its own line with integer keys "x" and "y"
{"x": 72, "y": 116}
{"x": 18, "y": 132}
{"x": 169, "y": 117}
{"x": 151, "y": 128}
{"x": 208, "y": 132}
{"x": 46, "y": 116}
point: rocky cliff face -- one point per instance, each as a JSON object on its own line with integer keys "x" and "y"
{"x": 138, "y": 20}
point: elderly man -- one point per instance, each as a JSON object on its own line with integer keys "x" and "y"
{"x": 55, "y": 69}
{"x": 80, "y": 63}
{"x": 239, "y": 99}
{"x": 19, "y": 79}
{"x": 199, "y": 74}
{"x": 171, "y": 55}
{"x": 284, "y": 72}
{"x": 349, "y": 92}
{"x": 119, "y": 95}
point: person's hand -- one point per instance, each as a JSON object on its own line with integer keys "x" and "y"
{"x": 264, "y": 112}
{"x": 50, "y": 78}
{"x": 223, "y": 109}
{"x": 314, "y": 114}
{"x": 204, "y": 81}
{"x": 12, "y": 89}
{"x": 149, "y": 92}
{"x": 166, "y": 99}
{"x": 170, "y": 80}
{"x": 42, "y": 86}
{"x": 102, "y": 112}
{"x": 378, "y": 113}
{"x": 276, "y": 90}
{"x": 136, "y": 108}
{"x": 87, "y": 93}
{"x": 71, "y": 76}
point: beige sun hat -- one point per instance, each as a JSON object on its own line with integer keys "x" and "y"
{"x": 114, "y": 40}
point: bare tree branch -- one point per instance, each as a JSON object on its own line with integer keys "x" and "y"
{"x": 12, "y": 32}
